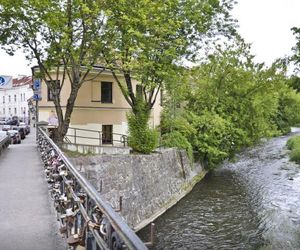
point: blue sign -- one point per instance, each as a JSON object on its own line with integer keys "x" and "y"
{"x": 37, "y": 97}
{"x": 36, "y": 84}
{"x": 5, "y": 82}
{"x": 2, "y": 80}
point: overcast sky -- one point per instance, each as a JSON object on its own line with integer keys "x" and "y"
{"x": 265, "y": 24}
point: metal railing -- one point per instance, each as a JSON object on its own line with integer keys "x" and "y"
{"x": 75, "y": 135}
{"x": 85, "y": 216}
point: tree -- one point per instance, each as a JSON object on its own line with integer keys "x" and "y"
{"x": 145, "y": 40}
{"x": 62, "y": 36}
{"x": 232, "y": 102}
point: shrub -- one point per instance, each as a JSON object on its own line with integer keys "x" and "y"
{"x": 293, "y": 142}
{"x": 294, "y": 145}
{"x": 295, "y": 154}
{"x": 176, "y": 139}
{"x": 141, "y": 138}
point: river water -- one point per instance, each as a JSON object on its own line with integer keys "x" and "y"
{"x": 253, "y": 203}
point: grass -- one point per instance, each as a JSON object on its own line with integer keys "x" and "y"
{"x": 294, "y": 145}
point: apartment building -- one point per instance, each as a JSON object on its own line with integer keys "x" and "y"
{"x": 14, "y": 100}
{"x": 100, "y": 106}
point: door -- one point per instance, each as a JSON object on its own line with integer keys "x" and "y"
{"x": 107, "y": 134}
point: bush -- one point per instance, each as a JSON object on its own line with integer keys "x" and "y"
{"x": 294, "y": 145}
{"x": 176, "y": 139}
{"x": 295, "y": 154}
{"x": 216, "y": 139}
{"x": 141, "y": 138}
{"x": 293, "y": 142}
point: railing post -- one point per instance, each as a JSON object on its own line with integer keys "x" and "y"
{"x": 75, "y": 136}
{"x": 100, "y": 139}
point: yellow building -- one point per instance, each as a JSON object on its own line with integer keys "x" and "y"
{"x": 100, "y": 106}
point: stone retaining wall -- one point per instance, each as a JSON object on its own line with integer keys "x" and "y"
{"x": 149, "y": 184}
{"x": 86, "y": 149}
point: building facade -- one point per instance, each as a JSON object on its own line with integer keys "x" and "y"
{"x": 14, "y": 100}
{"x": 100, "y": 106}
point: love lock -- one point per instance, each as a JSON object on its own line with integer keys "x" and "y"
{"x": 63, "y": 229}
{"x": 63, "y": 198}
{"x": 116, "y": 242}
{"x": 63, "y": 173}
{"x": 76, "y": 240}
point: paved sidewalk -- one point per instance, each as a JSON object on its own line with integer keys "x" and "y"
{"x": 27, "y": 218}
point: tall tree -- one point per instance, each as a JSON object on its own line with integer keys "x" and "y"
{"x": 63, "y": 36}
{"x": 144, "y": 40}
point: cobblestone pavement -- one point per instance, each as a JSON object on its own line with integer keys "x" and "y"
{"x": 27, "y": 218}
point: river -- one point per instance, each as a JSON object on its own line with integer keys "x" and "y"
{"x": 253, "y": 203}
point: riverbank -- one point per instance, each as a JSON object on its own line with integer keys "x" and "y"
{"x": 148, "y": 184}
{"x": 253, "y": 203}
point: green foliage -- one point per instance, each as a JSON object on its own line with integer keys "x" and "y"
{"x": 287, "y": 113}
{"x": 60, "y": 36}
{"x": 230, "y": 102}
{"x": 294, "y": 145}
{"x": 293, "y": 142}
{"x": 141, "y": 138}
{"x": 295, "y": 154}
{"x": 216, "y": 138}
{"x": 176, "y": 139}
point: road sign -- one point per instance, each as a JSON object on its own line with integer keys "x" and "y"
{"x": 37, "y": 97}
{"x": 37, "y": 84}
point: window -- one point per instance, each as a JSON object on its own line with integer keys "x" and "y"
{"x": 9, "y": 111}
{"x": 15, "y": 111}
{"x": 15, "y": 98}
{"x": 9, "y": 98}
{"x": 4, "y": 111}
{"x": 21, "y": 97}
{"x": 106, "y": 92}
{"x": 3, "y": 99}
{"x": 50, "y": 94}
{"x": 107, "y": 134}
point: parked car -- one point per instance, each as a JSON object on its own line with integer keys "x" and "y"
{"x": 12, "y": 122}
{"x": 6, "y": 127}
{"x": 25, "y": 126}
{"x": 3, "y": 133}
{"x": 15, "y": 136}
{"x": 21, "y": 130}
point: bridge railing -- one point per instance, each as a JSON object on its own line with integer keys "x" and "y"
{"x": 85, "y": 216}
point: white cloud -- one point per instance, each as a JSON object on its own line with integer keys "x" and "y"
{"x": 14, "y": 65}
{"x": 266, "y": 24}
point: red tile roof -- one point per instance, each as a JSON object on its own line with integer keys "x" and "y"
{"x": 22, "y": 80}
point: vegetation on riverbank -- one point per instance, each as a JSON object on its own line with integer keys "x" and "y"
{"x": 228, "y": 103}
{"x": 293, "y": 144}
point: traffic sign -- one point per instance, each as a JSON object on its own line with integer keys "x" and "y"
{"x": 37, "y": 97}
{"x": 37, "y": 84}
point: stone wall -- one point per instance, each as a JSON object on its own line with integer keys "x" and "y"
{"x": 149, "y": 184}
{"x": 86, "y": 149}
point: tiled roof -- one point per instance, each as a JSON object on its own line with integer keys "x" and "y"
{"x": 22, "y": 80}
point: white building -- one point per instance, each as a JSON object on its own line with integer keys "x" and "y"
{"x": 13, "y": 101}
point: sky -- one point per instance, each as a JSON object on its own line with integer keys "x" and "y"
{"x": 265, "y": 24}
